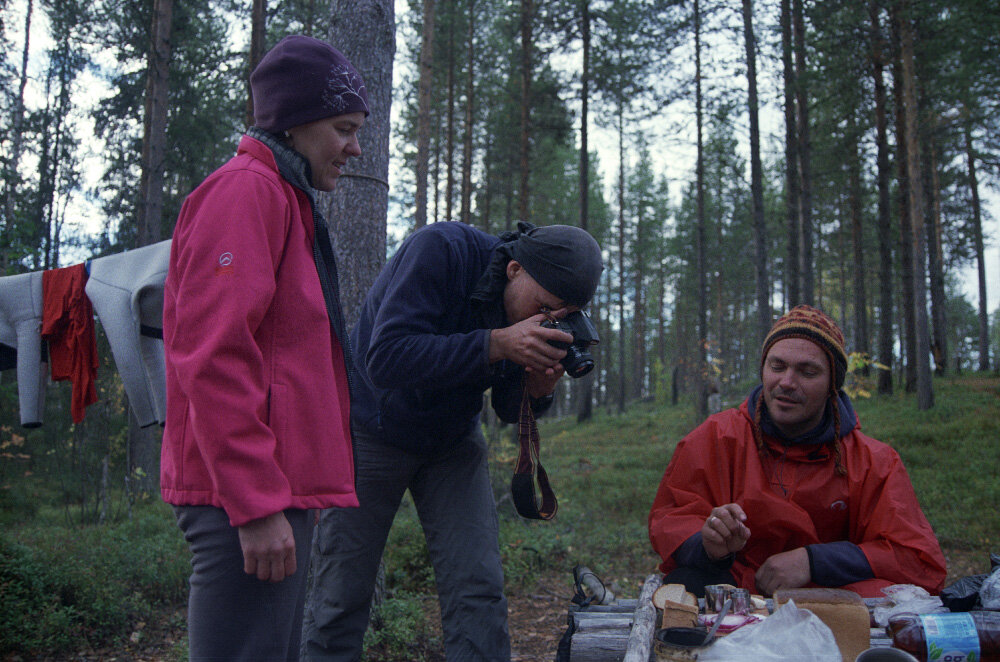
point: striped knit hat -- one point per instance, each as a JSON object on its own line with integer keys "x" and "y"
{"x": 814, "y": 325}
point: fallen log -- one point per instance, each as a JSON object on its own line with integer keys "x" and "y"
{"x": 640, "y": 640}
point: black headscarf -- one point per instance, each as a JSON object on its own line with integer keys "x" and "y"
{"x": 563, "y": 259}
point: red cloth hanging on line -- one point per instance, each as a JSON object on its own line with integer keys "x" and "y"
{"x": 68, "y": 327}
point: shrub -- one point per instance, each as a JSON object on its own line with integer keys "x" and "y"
{"x": 403, "y": 632}
{"x": 407, "y": 562}
{"x": 63, "y": 588}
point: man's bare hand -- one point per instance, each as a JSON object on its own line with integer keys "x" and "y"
{"x": 540, "y": 384}
{"x": 268, "y": 548}
{"x": 527, "y": 344}
{"x": 724, "y": 532}
{"x": 785, "y": 570}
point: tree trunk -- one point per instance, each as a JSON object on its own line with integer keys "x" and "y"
{"x": 661, "y": 318}
{"x": 585, "y": 388}
{"x": 639, "y": 310}
{"x": 527, "y": 73}
{"x": 977, "y": 232}
{"x": 424, "y": 114}
{"x": 46, "y": 180}
{"x": 436, "y": 187}
{"x": 806, "y": 267}
{"x": 466, "y": 210}
{"x": 356, "y": 211}
{"x": 258, "y": 46}
{"x": 793, "y": 277}
{"x": 925, "y": 389}
{"x": 908, "y": 331}
{"x": 605, "y": 376}
{"x": 935, "y": 257}
{"x": 584, "y": 116}
{"x": 885, "y": 342}
{"x": 622, "y": 371}
{"x": 859, "y": 272}
{"x": 144, "y": 442}
{"x": 449, "y": 150}
{"x": 154, "y": 143}
{"x": 756, "y": 177}
{"x": 17, "y": 140}
{"x": 701, "y": 402}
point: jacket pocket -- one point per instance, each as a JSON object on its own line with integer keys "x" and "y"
{"x": 277, "y": 417}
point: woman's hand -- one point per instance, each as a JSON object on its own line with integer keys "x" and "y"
{"x": 268, "y": 548}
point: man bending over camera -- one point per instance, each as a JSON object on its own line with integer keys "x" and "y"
{"x": 455, "y": 312}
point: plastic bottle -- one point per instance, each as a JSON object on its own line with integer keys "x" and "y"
{"x": 960, "y": 637}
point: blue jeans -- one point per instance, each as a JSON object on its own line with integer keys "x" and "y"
{"x": 454, "y": 500}
{"x": 233, "y": 616}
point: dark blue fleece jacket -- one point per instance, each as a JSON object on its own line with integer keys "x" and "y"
{"x": 421, "y": 343}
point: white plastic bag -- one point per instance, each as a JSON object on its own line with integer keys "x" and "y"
{"x": 788, "y": 635}
{"x": 906, "y": 597}
{"x": 989, "y": 593}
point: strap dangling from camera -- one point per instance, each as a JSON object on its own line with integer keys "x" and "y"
{"x": 529, "y": 469}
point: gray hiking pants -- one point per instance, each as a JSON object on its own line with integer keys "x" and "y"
{"x": 454, "y": 500}
{"x": 232, "y": 615}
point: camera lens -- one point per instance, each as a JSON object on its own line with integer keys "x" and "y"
{"x": 577, "y": 362}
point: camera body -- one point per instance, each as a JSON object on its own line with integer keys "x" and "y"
{"x": 578, "y": 361}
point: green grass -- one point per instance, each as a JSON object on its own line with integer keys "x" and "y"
{"x": 60, "y": 586}
{"x": 952, "y": 453}
{"x": 605, "y": 474}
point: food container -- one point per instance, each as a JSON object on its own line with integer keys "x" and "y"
{"x": 680, "y": 644}
{"x": 884, "y": 654}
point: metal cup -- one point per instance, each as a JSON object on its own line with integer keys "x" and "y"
{"x": 740, "y": 598}
{"x": 715, "y": 597}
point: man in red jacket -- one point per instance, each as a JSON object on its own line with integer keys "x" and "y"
{"x": 786, "y": 491}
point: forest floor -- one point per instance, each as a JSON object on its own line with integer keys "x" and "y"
{"x": 611, "y": 466}
{"x": 537, "y": 622}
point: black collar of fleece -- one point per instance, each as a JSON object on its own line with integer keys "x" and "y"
{"x": 821, "y": 434}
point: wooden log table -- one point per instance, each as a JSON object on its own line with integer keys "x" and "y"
{"x": 624, "y": 631}
{"x": 619, "y": 632}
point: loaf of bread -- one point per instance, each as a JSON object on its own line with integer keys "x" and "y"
{"x": 679, "y": 606}
{"x": 844, "y": 612}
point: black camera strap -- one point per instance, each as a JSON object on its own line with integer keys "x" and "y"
{"x": 529, "y": 470}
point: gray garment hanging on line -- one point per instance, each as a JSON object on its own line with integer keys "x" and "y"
{"x": 126, "y": 290}
{"x": 21, "y": 308}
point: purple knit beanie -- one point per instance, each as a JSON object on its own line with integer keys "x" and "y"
{"x": 302, "y": 80}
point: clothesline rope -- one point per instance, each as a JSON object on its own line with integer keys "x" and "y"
{"x": 360, "y": 176}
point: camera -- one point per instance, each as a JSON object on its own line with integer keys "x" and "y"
{"x": 578, "y": 361}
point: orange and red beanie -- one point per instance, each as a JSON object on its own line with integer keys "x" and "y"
{"x": 816, "y": 326}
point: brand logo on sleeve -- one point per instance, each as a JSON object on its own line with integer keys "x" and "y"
{"x": 225, "y": 267}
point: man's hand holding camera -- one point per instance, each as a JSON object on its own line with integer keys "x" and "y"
{"x": 547, "y": 345}
{"x": 528, "y": 344}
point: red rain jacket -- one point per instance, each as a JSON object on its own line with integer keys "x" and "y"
{"x": 873, "y": 506}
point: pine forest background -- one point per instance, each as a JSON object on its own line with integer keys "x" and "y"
{"x": 732, "y": 158}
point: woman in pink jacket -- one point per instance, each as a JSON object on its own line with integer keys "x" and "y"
{"x": 257, "y": 431}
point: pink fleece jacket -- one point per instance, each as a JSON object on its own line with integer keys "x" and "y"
{"x": 257, "y": 393}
